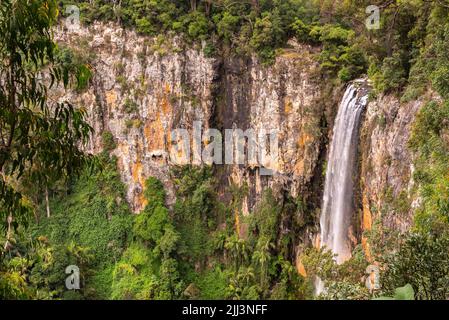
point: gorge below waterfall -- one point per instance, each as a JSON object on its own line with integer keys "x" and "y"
{"x": 337, "y": 207}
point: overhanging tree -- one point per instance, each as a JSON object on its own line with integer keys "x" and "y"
{"x": 34, "y": 132}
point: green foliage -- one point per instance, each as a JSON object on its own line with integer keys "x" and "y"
{"x": 270, "y": 251}
{"x": 34, "y": 131}
{"x": 392, "y": 76}
{"x": 432, "y": 166}
{"x": 94, "y": 214}
{"x": 431, "y": 65}
{"x": 134, "y": 276}
{"x": 133, "y": 123}
{"x": 153, "y": 222}
{"x": 48, "y": 276}
{"x": 227, "y": 25}
{"x": 198, "y": 25}
{"x": 288, "y": 283}
{"x": 343, "y": 290}
{"x": 237, "y": 249}
{"x": 192, "y": 249}
{"x": 212, "y": 284}
{"x": 242, "y": 26}
{"x": 412, "y": 40}
{"x": 342, "y": 281}
{"x": 151, "y": 225}
{"x": 402, "y": 293}
{"x": 422, "y": 262}
{"x": 267, "y": 35}
{"x": 265, "y": 221}
{"x": 88, "y": 227}
{"x": 318, "y": 262}
{"x": 147, "y": 269}
{"x": 34, "y": 268}
{"x": 130, "y": 106}
{"x": 249, "y": 266}
{"x": 107, "y": 140}
{"x": 102, "y": 281}
{"x": 154, "y": 192}
{"x": 83, "y": 75}
{"x": 241, "y": 285}
{"x": 13, "y": 276}
{"x": 302, "y": 30}
{"x": 338, "y": 54}
{"x": 73, "y": 62}
{"x": 195, "y": 211}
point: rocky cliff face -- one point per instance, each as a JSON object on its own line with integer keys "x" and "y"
{"x": 143, "y": 88}
{"x": 387, "y": 191}
{"x": 284, "y": 98}
{"x": 139, "y": 93}
{"x": 386, "y": 161}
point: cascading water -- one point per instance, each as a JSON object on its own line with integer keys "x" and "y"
{"x": 337, "y": 206}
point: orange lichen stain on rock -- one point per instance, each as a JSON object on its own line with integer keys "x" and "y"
{"x": 137, "y": 174}
{"x": 367, "y": 218}
{"x": 123, "y": 148}
{"x": 168, "y": 141}
{"x": 367, "y": 225}
{"x": 167, "y": 88}
{"x": 166, "y": 107}
{"x": 366, "y": 249}
{"x": 111, "y": 99}
{"x": 142, "y": 201}
{"x": 154, "y": 130}
{"x": 304, "y": 139}
{"x": 288, "y": 105}
{"x": 136, "y": 171}
{"x": 300, "y": 267}
{"x": 303, "y": 142}
{"x": 154, "y": 134}
{"x": 299, "y": 167}
{"x": 275, "y": 165}
{"x": 352, "y": 237}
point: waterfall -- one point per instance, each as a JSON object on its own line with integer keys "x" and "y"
{"x": 337, "y": 205}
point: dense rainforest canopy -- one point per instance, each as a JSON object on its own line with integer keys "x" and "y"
{"x": 60, "y": 206}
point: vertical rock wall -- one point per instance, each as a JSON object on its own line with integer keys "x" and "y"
{"x": 144, "y": 87}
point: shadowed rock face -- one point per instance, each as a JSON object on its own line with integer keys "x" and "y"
{"x": 142, "y": 89}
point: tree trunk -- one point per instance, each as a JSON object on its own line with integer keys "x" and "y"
{"x": 193, "y": 5}
{"x": 47, "y": 204}
{"x": 208, "y": 6}
{"x": 7, "y": 245}
{"x": 256, "y": 6}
